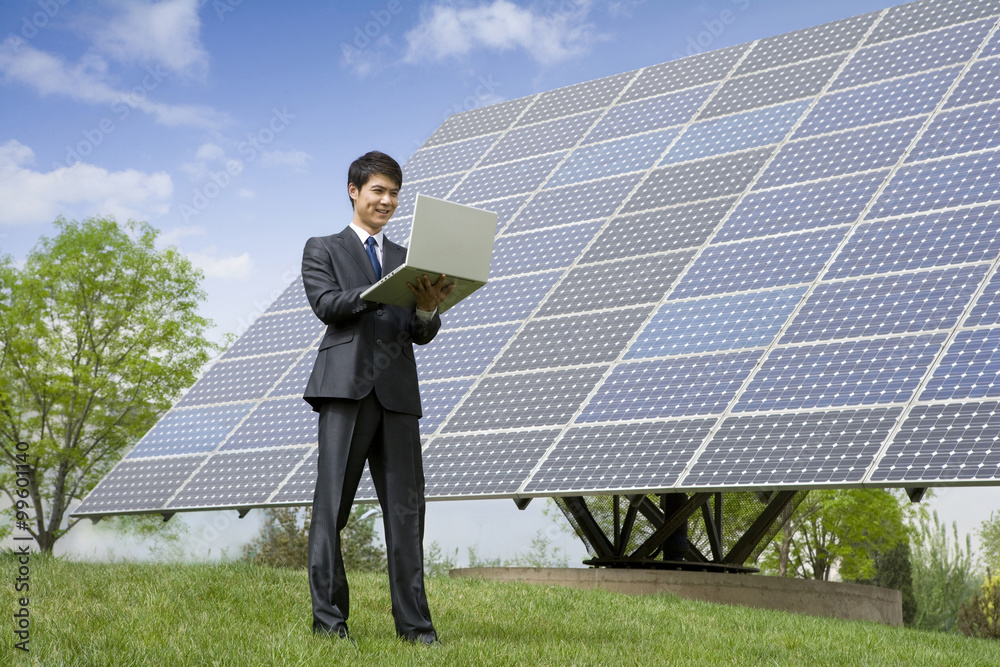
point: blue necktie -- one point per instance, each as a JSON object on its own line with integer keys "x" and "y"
{"x": 373, "y": 256}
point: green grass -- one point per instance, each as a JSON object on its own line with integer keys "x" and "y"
{"x": 238, "y": 614}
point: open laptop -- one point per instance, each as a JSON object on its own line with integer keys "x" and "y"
{"x": 448, "y": 238}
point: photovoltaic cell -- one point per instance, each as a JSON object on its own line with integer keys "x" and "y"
{"x": 438, "y": 399}
{"x": 772, "y": 86}
{"x": 987, "y": 308}
{"x": 616, "y": 284}
{"x": 993, "y": 48}
{"x": 553, "y": 135}
{"x": 872, "y": 147}
{"x": 913, "y": 54}
{"x": 190, "y": 431}
{"x": 980, "y": 84}
{"x": 577, "y": 339}
{"x": 299, "y": 488}
{"x": 140, "y": 486}
{"x": 294, "y": 383}
{"x": 646, "y": 455}
{"x": 293, "y": 298}
{"x": 656, "y": 231}
{"x": 653, "y": 113}
{"x": 886, "y": 305}
{"x": 878, "y": 102}
{"x": 960, "y": 131}
{"x": 545, "y": 249}
{"x": 462, "y": 352}
{"x": 239, "y": 379}
{"x": 447, "y": 159}
{"x": 689, "y": 72}
{"x": 575, "y": 203}
{"x": 862, "y": 372}
{"x": 503, "y": 300}
{"x": 808, "y": 43}
{"x": 792, "y": 449}
{"x": 953, "y": 181}
{"x": 929, "y": 14}
{"x": 512, "y": 401}
{"x": 951, "y": 442}
{"x": 238, "y": 478}
{"x": 432, "y": 187}
{"x": 717, "y": 323}
{"x": 574, "y": 99}
{"x": 477, "y": 122}
{"x": 701, "y": 179}
{"x": 677, "y": 387}
{"x": 505, "y": 209}
{"x": 636, "y": 153}
{"x": 276, "y": 423}
{"x": 970, "y": 368}
{"x": 921, "y": 241}
{"x": 483, "y": 463}
{"x": 734, "y": 133}
{"x": 290, "y": 330}
{"x": 837, "y": 201}
{"x": 759, "y": 264}
{"x": 505, "y": 179}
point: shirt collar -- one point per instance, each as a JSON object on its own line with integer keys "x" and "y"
{"x": 363, "y": 235}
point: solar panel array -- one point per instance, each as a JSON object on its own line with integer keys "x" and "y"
{"x": 770, "y": 265}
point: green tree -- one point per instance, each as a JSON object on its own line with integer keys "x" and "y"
{"x": 894, "y": 569}
{"x": 839, "y": 530}
{"x": 99, "y": 333}
{"x": 989, "y": 538}
{"x": 944, "y": 575}
{"x": 284, "y": 540}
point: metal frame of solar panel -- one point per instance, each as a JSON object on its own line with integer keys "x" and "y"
{"x": 771, "y": 266}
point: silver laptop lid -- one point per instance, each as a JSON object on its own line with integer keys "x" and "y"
{"x": 451, "y": 238}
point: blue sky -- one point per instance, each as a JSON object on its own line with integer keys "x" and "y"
{"x": 229, "y": 124}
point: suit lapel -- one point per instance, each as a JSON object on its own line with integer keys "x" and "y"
{"x": 352, "y": 243}
{"x": 392, "y": 255}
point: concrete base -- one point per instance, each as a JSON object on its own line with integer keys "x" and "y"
{"x": 801, "y": 596}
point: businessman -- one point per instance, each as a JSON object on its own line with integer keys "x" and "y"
{"x": 364, "y": 387}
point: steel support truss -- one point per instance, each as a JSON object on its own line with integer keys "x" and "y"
{"x": 641, "y": 533}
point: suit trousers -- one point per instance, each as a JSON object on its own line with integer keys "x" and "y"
{"x": 351, "y": 432}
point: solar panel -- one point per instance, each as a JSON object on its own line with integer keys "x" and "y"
{"x": 771, "y": 265}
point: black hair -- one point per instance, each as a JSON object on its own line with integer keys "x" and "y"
{"x": 372, "y": 164}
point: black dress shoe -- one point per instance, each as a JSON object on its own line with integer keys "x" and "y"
{"x": 424, "y": 639}
{"x": 339, "y": 632}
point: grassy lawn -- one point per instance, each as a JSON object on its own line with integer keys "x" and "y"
{"x": 238, "y": 614}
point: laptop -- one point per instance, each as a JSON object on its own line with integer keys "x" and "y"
{"x": 448, "y": 238}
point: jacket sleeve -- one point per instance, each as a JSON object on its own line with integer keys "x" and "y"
{"x": 424, "y": 332}
{"x": 331, "y": 303}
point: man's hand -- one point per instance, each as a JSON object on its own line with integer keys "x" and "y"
{"x": 430, "y": 295}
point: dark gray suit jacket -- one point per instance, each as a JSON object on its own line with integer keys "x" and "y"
{"x": 366, "y": 345}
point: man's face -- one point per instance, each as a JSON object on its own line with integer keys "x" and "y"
{"x": 374, "y": 203}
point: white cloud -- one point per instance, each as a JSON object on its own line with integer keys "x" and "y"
{"x": 31, "y": 196}
{"x": 446, "y": 31}
{"x": 164, "y": 33}
{"x": 247, "y": 193}
{"x": 210, "y": 151}
{"x": 236, "y": 267}
{"x": 86, "y": 81}
{"x": 622, "y": 9}
{"x": 173, "y": 235}
{"x": 297, "y": 160}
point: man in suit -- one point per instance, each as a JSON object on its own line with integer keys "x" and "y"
{"x": 364, "y": 386}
